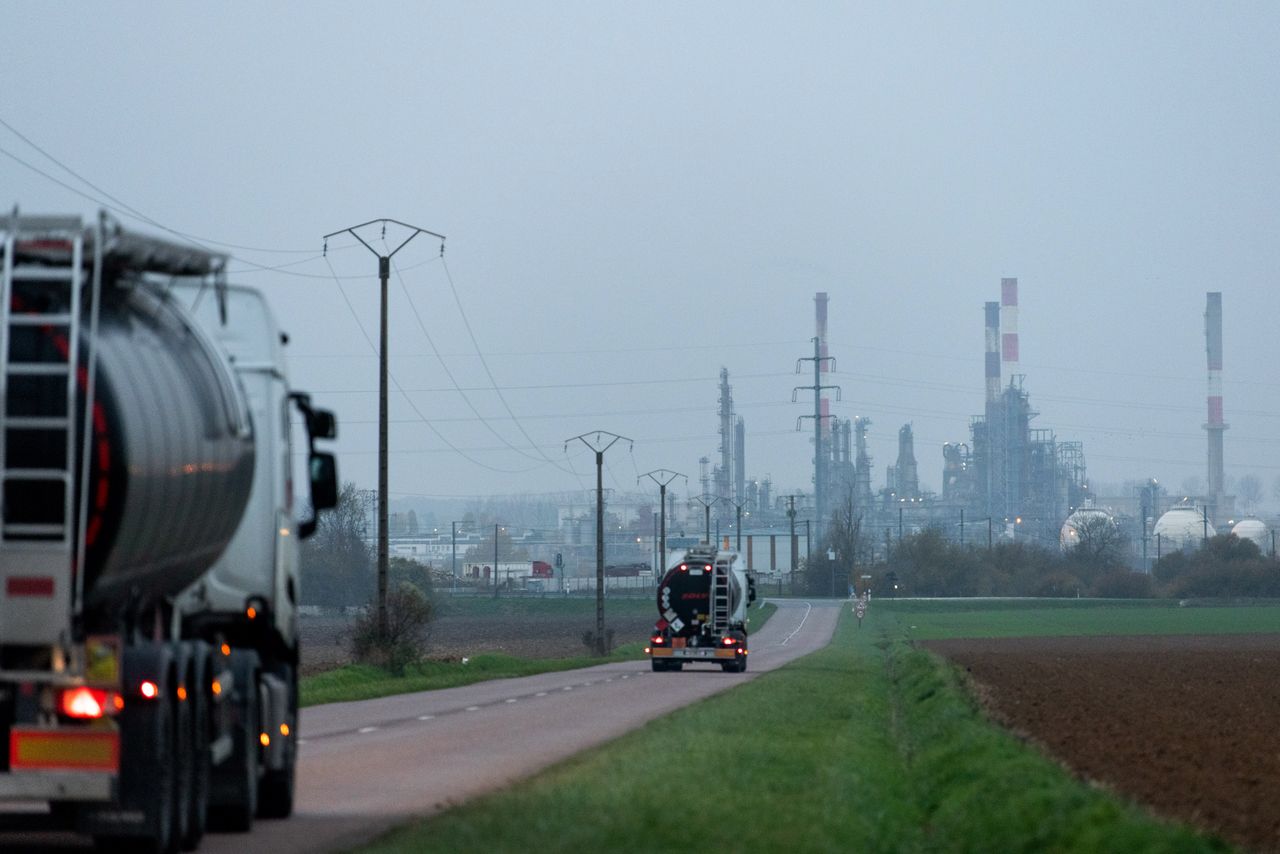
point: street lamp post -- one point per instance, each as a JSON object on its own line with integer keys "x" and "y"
{"x": 453, "y": 533}
{"x": 599, "y": 442}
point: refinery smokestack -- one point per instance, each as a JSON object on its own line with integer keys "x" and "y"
{"x": 1009, "y": 310}
{"x": 820, "y": 306}
{"x": 1215, "y": 425}
{"x": 993, "y": 351}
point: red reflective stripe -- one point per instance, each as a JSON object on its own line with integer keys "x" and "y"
{"x": 28, "y": 586}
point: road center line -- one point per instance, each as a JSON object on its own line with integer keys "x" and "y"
{"x": 807, "y": 608}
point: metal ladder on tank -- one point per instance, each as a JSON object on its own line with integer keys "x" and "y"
{"x": 720, "y": 597}
{"x": 43, "y": 286}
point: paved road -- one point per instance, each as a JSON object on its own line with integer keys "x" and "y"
{"x": 369, "y": 765}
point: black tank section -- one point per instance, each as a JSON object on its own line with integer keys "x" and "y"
{"x": 684, "y": 596}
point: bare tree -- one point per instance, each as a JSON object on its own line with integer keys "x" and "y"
{"x": 1100, "y": 546}
{"x": 1249, "y": 488}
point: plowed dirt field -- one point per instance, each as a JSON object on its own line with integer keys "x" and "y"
{"x": 1188, "y": 725}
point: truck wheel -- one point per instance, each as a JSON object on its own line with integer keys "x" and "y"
{"x": 234, "y": 812}
{"x": 199, "y": 701}
{"x": 275, "y": 796}
{"x": 160, "y": 770}
{"x": 184, "y": 762}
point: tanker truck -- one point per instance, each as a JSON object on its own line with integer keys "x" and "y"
{"x": 702, "y": 608}
{"x": 148, "y": 538}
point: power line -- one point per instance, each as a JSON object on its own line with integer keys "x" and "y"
{"x": 414, "y": 406}
{"x": 476, "y": 344}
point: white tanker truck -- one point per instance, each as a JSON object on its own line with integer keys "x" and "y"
{"x": 702, "y": 611}
{"x": 149, "y": 542}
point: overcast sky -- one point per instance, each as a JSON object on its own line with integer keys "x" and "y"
{"x": 636, "y": 195}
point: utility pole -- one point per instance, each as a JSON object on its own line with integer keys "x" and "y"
{"x": 662, "y": 477}
{"x": 495, "y": 561}
{"x": 384, "y": 273}
{"x": 706, "y": 501}
{"x": 737, "y": 506}
{"x": 599, "y": 442}
{"x": 819, "y": 466}
{"x": 795, "y": 548}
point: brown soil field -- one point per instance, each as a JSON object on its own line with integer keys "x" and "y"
{"x": 1187, "y": 725}
{"x": 324, "y": 639}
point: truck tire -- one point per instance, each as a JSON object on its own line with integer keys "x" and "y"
{"x": 200, "y": 702}
{"x": 275, "y": 796}
{"x": 236, "y": 783}
{"x": 155, "y": 764}
{"x": 184, "y": 760}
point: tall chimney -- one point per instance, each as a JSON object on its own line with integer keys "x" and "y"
{"x": 820, "y": 307}
{"x": 993, "y": 351}
{"x": 1009, "y": 310}
{"x": 1215, "y": 425}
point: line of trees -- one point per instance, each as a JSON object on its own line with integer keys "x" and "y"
{"x": 929, "y": 564}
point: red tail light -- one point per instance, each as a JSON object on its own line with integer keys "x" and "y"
{"x": 87, "y": 703}
{"x": 657, "y": 640}
{"x": 729, "y": 641}
{"x": 149, "y": 689}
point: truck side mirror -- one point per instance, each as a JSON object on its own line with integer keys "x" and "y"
{"x": 322, "y": 424}
{"x": 323, "y": 469}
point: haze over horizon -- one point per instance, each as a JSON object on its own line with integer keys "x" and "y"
{"x": 637, "y": 197}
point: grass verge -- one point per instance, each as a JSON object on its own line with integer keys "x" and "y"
{"x": 362, "y": 682}
{"x": 868, "y": 745}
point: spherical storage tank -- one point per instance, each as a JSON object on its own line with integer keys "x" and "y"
{"x": 1181, "y": 528}
{"x": 1253, "y": 529}
{"x": 1069, "y": 536}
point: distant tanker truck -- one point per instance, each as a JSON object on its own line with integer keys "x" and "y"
{"x": 149, "y": 543}
{"x": 702, "y": 608}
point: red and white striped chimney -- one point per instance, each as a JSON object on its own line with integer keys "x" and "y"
{"x": 993, "y": 351}
{"x": 1009, "y": 320}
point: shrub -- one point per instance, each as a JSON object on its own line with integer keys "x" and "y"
{"x": 409, "y": 616}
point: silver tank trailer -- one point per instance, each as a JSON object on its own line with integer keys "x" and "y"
{"x": 171, "y": 452}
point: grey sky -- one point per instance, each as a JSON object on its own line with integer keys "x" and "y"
{"x": 648, "y": 192}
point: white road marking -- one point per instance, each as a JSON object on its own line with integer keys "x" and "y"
{"x": 540, "y": 694}
{"x": 425, "y": 717}
{"x": 512, "y": 700}
{"x": 367, "y": 729}
{"x": 473, "y": 708}
{"x": 567, "y": 688}
{"x": 807, "y": 609}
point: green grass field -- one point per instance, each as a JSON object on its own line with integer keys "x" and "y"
{"x": 998, "y": 618}
{"x": 868, "y": 745}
